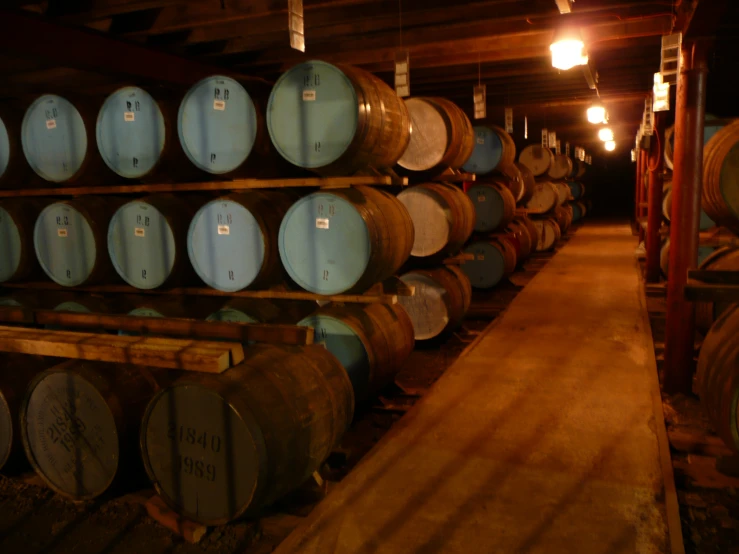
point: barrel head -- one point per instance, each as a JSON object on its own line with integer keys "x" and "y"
{"x": 141, "y": 245}
{"x": 429, "y": 137}
{"x": 201, "y": 454}
{"x": 217, "y": 124}
{"x": 6, "y": 430}
{"x": 226, "y": 245}
{"x": 12, "y": 246}
{"x": 324, "y": 243}
{"x": 489, "y": 207}
{"x": 130, "y": 132}
{"x": 312, "y": 115}
{"x": 4, "y": 148}
{"x": 427, "y": 308}
{"x": 537, "y": 158}
{"x": 342, "y": 341}
{"x": 54, "y": 138}
{"x": 487, "y": 154}
{"x": 431, "y": 220}
{"x": 231, "y": 315}
{"x": 488, "y": 266}
{"x": 69, "y": 435}
{"x": 65, "y": 244}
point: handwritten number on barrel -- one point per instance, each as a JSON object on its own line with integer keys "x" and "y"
{"x": 142, "y": 220}
{"x": 231, "y": 275}
{"x": 317, "y": 146}
{"x": 212, "y": 157}
{"x": 325, "y": 274}
{"x": 69, "y": 274}
{"x": 143, "y": 274}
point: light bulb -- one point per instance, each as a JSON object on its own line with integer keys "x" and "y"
{"x": 597, "y": 114}
{"x": 567, "y": 53}
{"x": 610, "y": 146}
{"x": 605, "y": 134}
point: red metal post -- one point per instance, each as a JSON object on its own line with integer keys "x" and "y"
{"x": 654, "y": 212}
{"x": 687, "y": 178}
{"x": 643, "y": 160}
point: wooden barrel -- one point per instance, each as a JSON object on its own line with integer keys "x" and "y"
{"x": 14, "y": 169}
{"x": 443, "y": 218}
{"x": 441, "y": 136}
{"x": 721, "y": 259}
{"x": 79, "y": 425}
{"x": 17, "y": 256}
{"x": 232, "y": 242}
{"x": 70, "y": 240}
{"x": 545, "y": 198}
{"x": 510, "y": 176}
{"x": 219, "y": 446}
{"x": 718, "y": 376}
{"x": 494, "y": 259}
{"x": 720, "y": 196}
{"x": 58, "y": 140}
{"x": 523, "y": 240}
{"x": 537, "y": 158}
{"x": 581, "y": 168}
{"x": 532, "y": 229}
{"x": 577, "y": 212}
{"x": 370, "y": 124}
{"x": 564, "y": 218}
{"x": 494, "y": 205}
{"x": 372, "y": 341}
{"x": 704, "y": 252}
{"x": 345, "y": 240}
{"x": 560, "y": 168}
{"x": 583, "y": 208}
{"x": 147, "y": 241}
{"x": 577, "y": 189}
{"x": 563, "y": 192}
{"x": 548, "y": 232}
{"x": 221, "y": 128}
{"x": 441, "y": 300}
{"x": 529, "y": 182}
{"x": 493, "y": 147}
{"x": 16, "y": 372}
{"x": 711, "y": 126}
{"x": 705, "y": 221}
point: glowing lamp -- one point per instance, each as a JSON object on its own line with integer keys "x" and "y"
{"x": 610, "y": 146}
{"x": 605, "y": 134}
{"x": 567, "y": 49}
{"x": 597, "y": 113}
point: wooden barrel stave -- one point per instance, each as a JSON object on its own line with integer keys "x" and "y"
{"x": 705, "y": 222}
{"x": 523, "y": 240}
{"x": 441, "y": 300}
{"x": 266, "y": 426}
{"x": 80, "y": 423}
{"x": 720, "y": 192}
{"x": 462, "y": 141}
{"x": 494, "y": 259}
{"x": 345, "y": 240}
{"x": 721, "y": 259}
{"x": 529, "y": 182}
{"x": 548, "y": 232}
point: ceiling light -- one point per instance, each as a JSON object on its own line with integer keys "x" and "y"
{"x": 567, "y": 49}
{"x": 610, "y": 146}
{"x": 605, "y": 134}
{"x": 597, "y": 113}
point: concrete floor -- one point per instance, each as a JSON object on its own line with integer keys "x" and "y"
{"x": 540, "y": 439}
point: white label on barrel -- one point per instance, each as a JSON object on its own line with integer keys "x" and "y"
{"x": 480, "y": 257}
{"x": 129, "y": 116}
{"x": 219, "y": 105}
{"x": 480, "y": 140}
{"x": 224, "y": 230}
{"x": 481, "y": 198}
{"x": 309, "y": 95}
{"x": 51, "y": 123}
{"x": 321, "y": 223}
{"x": 61, "y": 232}
{"x": 139, "y": 232}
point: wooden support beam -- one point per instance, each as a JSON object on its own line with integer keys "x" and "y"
{"x": 84, "y": 49}
{"x": 654, "y": 211}
{"x": 94, "y": 10}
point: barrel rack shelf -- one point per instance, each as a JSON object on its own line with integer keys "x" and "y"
{"x": 712, "y": 286}
{"x": 235, "y": 185}
{"x": 386, "y": 292}
{"x": 455, "y": 176}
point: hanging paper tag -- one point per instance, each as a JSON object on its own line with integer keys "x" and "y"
{"x": 557, "y": 149}
{"x": 544, "y": 138}
{"x": 509, "y": 120}
{"x": 295, "y": 24}
{"x": 479, "y": 97}
{"x": 567, "y": 149}
{"x": 552, "y": 139}
{"x": 402, "y": 74}
{"x": 526, "y": 127}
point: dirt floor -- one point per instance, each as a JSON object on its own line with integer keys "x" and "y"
{"x": 709, "y": 505}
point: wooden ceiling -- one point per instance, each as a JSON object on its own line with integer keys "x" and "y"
{"x": 90, "y": 46}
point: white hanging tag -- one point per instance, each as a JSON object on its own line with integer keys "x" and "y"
{"x": 402, "y": 74}
{"x": 295, "y": 24}
{"x": 479, "y": 98}
{"x": 545, "y": 138}
{"x": 509, "y": 120}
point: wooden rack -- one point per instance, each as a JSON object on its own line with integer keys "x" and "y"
{"x": 455, "y": 176}
{"x": 386, "y": 292}
{"x": 235, "y": 185}
{"x": 712, "y": 286}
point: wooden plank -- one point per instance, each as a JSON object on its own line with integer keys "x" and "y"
{"x": 188, "y": 355}
{"x": 238, "y": 184}
{"x": 697, "y": 291}
{"x": 714, "y": 276}
{"x": 189, "y": 530}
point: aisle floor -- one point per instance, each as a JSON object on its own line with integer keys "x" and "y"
{"x": 541, "y": 438}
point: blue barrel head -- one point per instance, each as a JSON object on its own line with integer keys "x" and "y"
{"x": 706, "y": 222}
{"x": 226, "y": 245}
{"x": 487, "y": 153}
{"x": 576, "y": 212}
{"x": 130, "y": 132}
{"x": 54, "y": 138}
{"x": 217, "y": 124}
{"x": 324, "y": 243}
{"x": 488, "y": 266}
{"x": 141, "y": 245}
{"x": 341, "y": 340}
{"x": 489, "y": 207}
{"x": 4, "y": 148}
{"x": 65, "y": 244}
{"x": 140, "y": 312}
{"x": 312, "y": 114}
{"x": 10, "y": 302}
{"x": 575, "y": 189}
{"x": 11, "y": 246}
{"x": 231, "y": 315}
{"x": 72, "y": 306}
